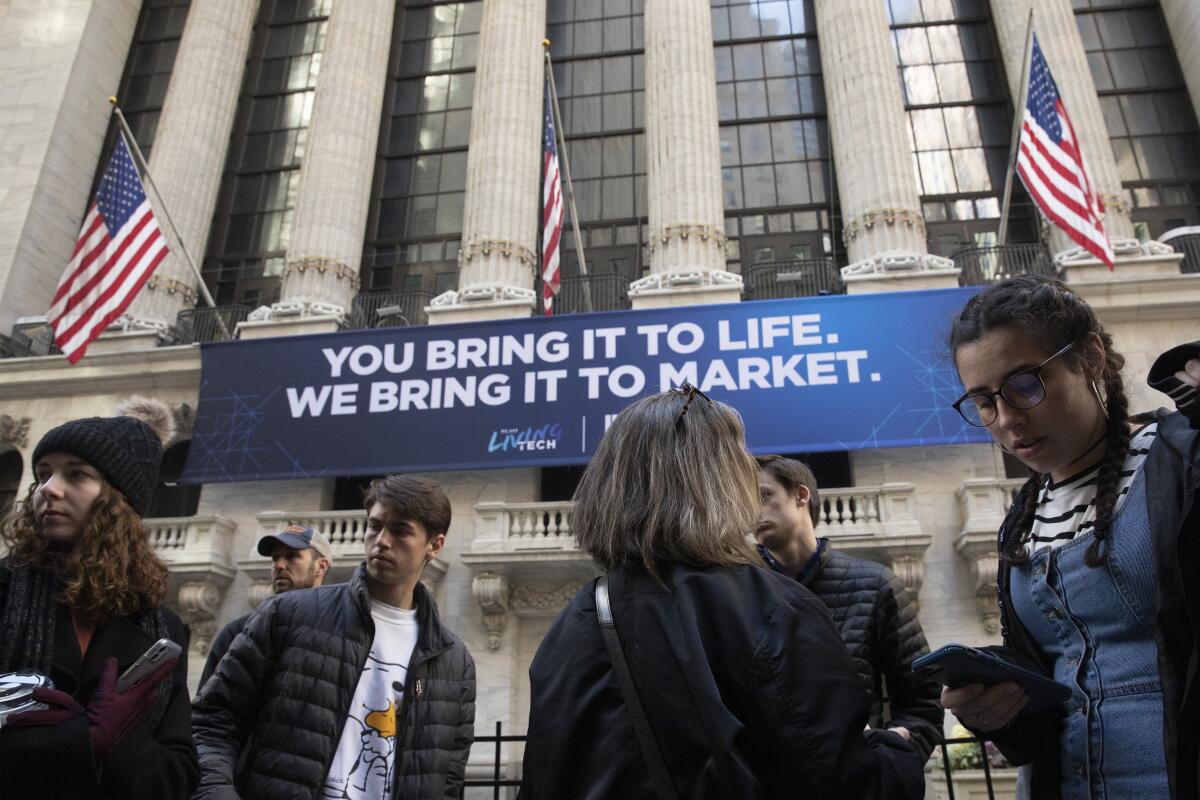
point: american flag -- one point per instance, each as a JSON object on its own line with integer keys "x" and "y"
{"x": 119, "y": 246}
{"x": 1051, "y": 165}
{"x": 552, "y": 212}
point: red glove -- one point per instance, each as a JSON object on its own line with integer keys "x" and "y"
{"x": 62, "y": 708}
{"x": 111, "y": 714}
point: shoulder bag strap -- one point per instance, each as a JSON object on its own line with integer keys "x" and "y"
{"x": 663, "y": 786}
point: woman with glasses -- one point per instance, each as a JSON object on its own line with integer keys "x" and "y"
{"x": 716, "y": 678}
{"x": 1099, "y": 576}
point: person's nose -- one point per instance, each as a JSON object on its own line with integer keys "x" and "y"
{"x": 52, "y": 488}
{"x": 1008, "y": 418}
{"x": 280, "y": 563}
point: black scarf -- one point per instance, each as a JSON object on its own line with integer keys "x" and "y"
{"x": 27, "y": 616}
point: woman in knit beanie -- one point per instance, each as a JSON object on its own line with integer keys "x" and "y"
{"x": 81, "y": 592}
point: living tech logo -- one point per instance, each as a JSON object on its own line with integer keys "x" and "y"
{"x": 543, "y": 438}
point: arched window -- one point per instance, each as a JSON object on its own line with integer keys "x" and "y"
{"x": 174, "y": 499}
{"x": 10, "y": 477}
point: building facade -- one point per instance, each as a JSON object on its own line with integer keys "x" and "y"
{"x": 336, "y": 164}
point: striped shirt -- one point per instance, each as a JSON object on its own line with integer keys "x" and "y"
{"x": 1068, "y": 509}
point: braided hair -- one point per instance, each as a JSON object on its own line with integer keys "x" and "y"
{"x": 1053, "y": 315}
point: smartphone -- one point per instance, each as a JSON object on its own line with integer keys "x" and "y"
{"x": 957, "y": 665}
{"x": 160, "y": 652}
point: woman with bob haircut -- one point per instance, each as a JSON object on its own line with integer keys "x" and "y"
{"x": 745, "y": 684}
{"x": 81, "y": 592}
{"x": 1099, "y": 571}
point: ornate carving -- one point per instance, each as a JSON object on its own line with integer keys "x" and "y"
{"x": 478, "y": 247}
{"x": 185, "y": 291}
{"x": 14, "y": 431}
{"x": 911, "y": 572}
{"x": 897, "y": 262}
{"x": 339, "y": 269}
{"x": 491, "y": 592}
{"x": 258, "y": 592}
{"x": 886, "y": 216}
{"x": 699, "y": 277}
{"x": 684, "y": 231}
{"x": 544, "y": 595}
{"x": 198, "y": 604}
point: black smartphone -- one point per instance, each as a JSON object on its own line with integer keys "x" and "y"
{"x": 957, "y": 665}
{"x": 161, "y": 651}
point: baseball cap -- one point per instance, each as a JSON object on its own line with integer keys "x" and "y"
{"x": 296, "y": 537}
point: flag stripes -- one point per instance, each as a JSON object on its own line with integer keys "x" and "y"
{"x": 119, "y": 247}
{"x": 1051, "y": 165}
{"x": 552, "y": 212}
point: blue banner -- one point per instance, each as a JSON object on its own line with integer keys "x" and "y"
{"x": 807, "y": 375}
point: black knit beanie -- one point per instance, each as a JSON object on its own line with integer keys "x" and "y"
{"x": 125, "y": 450}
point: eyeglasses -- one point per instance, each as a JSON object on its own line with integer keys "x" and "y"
{"x": 1022, "y": 391}
{"x": 689, "y": 392}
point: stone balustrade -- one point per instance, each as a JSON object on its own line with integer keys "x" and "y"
{"x": 984, "y": 502}
{"x": 526, "y": 560}
{"x": 196, "y": 551}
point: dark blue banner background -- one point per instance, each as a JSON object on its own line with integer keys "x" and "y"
{"x": 807, "y": 375}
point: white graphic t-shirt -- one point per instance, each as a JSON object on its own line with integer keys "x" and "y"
{"x": 365, "y": 762}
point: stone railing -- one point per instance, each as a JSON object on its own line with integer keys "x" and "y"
{"x": 346, "y": 531}
{"x": 196, "y": 551}
{"x": 526, "y": 560}
{"x": 984, "y": 502}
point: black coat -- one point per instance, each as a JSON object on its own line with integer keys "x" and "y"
{"x": 1172, "y": 481}
{"x": 268, "y": 722}
{"x": 879, "y": 625}
{"x": 747, "y": 686}
{"x": 220, "y": 647}
{"x": 46, "y": 762}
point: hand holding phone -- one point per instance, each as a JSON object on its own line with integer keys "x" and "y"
{"x": 148, "y": 663}
{"x": 956, "y": 666}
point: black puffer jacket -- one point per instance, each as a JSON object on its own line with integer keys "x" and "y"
{"x": 282, "y": 693}
{"x": 878, "y": 623}
{"x": 747, "y": 688}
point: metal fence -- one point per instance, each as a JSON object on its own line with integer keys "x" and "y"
{"x": 801, "y": 278}
{"x": 389, "y": 309}
{"x": 501, "y": 778}
{"x": 990, "y": 264}
{"x": 203, "y": 324}
{"x": 605, "y": 292}
{"x": 29, "y": 339}
{"x": 1189, "y": 245}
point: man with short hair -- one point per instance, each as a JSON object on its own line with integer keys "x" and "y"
{"x": 347, "y": 691}
{"x": 300, "y": 557}
{"x": 870, "y": 606}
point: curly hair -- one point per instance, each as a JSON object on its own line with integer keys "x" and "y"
{"x": 111, "y": 571}
{"x": 1053, "y": 315}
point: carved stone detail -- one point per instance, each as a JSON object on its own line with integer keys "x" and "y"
{"x": 491, "y": 592}
{"x": 258, "y": 592}
{"x": 198, "y": 604}
{"x": 548, "y": 596}
{"x": 14, "y": 431}
{"x": 911, "y": 572}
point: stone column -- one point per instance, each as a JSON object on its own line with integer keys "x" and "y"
{"x": 322, "y": 272}
{"x": 686, "y": 240}
{"x": 498, "y": 258}
{"x": 1183, "y": 21}
{"x": 881, "y": 204}
{"x": 189, "y": 150}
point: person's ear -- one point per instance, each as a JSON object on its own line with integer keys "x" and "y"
{"x": 803, "y": 495}
{"x": 435, "y": 546}
{"x": 1095, "y": 357}
{"x": 322, "y": 566}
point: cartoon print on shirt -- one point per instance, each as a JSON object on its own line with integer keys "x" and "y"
{"x": 378, "y": 744}
{"x": 374, "y": 762}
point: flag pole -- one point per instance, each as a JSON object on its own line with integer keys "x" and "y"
{"x": 1018, "y": 123}
{"x": 140, "y": 159}
{"x": 566, "y": 168}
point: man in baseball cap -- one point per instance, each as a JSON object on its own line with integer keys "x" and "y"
{"x": 300, "y": 557}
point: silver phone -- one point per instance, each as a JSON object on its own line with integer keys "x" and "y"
{"x": 160, "y": 652}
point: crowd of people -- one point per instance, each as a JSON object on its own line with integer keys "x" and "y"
{"x": 727, "y": 651}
